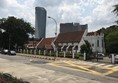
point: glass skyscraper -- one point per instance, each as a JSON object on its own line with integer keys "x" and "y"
{"x": 40, "y": 22}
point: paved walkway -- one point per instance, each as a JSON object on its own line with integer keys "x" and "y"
{"x": 39, "y": 75}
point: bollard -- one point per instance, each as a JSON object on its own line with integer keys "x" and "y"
{"x": 73, "y": 55}
{"x": 113, "y": 58}
{"x": 34, "y": 51}
{"x": 64, "y": 54}
{"x": 39, "y": 52}
{"x": 84, "y": 56}
{"x": 44, "y": 52}
{"x": 50, "y": 52}
{"x": 26, "y": 51}
{"x": 56, "y": 53}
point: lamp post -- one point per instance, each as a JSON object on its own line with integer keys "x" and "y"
{"x": 55, "y": 34}
{"x": 55, "y": 23}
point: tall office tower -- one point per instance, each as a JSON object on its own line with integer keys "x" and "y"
{"x": 72, "y": 27}
{"x": 40, "y": 22}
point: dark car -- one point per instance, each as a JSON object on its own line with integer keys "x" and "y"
{"x": 12, "y": 52}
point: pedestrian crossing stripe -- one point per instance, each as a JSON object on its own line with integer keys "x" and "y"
{"x": 100, "y": 64}
{"x": 115, "y": 67}
{"x": 109, "y": 65}
{"x": 86, "y": 68}
{"x": 94, "y": 64}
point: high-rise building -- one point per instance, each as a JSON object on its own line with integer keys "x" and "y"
{"x": 72, "y": 27}
{"x": 40, "y": 22}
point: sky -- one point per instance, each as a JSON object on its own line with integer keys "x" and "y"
{"x": 95, "y": 13}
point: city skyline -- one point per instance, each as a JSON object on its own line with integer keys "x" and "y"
{"x": 95, "y": 13}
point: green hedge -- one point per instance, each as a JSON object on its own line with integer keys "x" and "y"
{"x": 79, "y": 56}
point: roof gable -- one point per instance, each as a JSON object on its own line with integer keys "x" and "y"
{"x": 46, "y": 43}
{"x": 92, "y": 33}
{"x": 69, "y": 37}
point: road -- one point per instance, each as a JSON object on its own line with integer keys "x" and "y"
{"x": 105, "y": 73}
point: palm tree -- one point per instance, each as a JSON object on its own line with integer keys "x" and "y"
{"x": 116, "y": 11}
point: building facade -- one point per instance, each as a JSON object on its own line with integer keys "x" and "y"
{"x": 72, "y": 27}
{"x": 70, "y": 41}
{"x": 96, "y": 40}
{"x": 71, "y": 38}
{"x": 40, "y": 22}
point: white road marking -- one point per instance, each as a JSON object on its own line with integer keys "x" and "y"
{"x": 101, "y": 64}
{"x": 94, "y": 63}
{"x": 115, "y": 67}
{"x": 108, "y": 65}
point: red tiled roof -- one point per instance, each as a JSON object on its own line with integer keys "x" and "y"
{"x": 31, "y": 44}
{"x": 92, "y": 33}
{"x": 69, "y": 37}
{"x": 48, "y": 46}
{"x": 46, "y": 43}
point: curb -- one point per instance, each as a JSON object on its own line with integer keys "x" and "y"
{"x": 36, "y": 56}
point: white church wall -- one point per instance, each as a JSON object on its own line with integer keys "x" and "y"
{"x": 93, "y": 41}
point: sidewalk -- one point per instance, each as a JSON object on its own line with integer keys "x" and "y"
{"x": 39, "y": 75}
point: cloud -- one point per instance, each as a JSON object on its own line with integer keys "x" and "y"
{"x": 19, "y": 9}
{"x": 95, "y": 13}
{"x": 47, "y": 3}
{"x": 103, "y": 15}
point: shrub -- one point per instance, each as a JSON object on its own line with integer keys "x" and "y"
{"x": 7, "y": 78}
{"x": 79, "y": 56}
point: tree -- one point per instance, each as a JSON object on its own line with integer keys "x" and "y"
{"x": 16, "y": 32}
{"x": 107, "y": 35}
{"x": 110, "y": 35}
{"x": 116, "y": 11}
{"x": 86, "y": 48}
{"x": 112, "y": 42}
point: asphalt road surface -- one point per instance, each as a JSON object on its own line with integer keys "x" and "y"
{"x": 105, "y": 73}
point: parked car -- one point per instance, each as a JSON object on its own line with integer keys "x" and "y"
{"x": 100, "y": 55}
{"x": 5, "y": 51}
{"x": 12, "y": 52}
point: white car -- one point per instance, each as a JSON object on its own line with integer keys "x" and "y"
{"x": 5, "y": 51}
{"x": 100, "y": 55}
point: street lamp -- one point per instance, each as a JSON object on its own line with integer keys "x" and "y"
{"x": 55, "y": 34}
{"x": 55, "y": 23}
